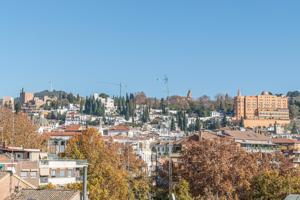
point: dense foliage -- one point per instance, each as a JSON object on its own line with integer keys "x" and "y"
{"x": 114, "y": 172}
{"x": 18, "y": 130}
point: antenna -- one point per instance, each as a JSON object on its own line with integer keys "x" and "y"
{"x": 120, "y": 85}
{"x": 166, "y": 83}
{"x": 51, "y": 86}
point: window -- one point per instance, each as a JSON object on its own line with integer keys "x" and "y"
{"x": 44, "y": 179}
{"x": 70, "y": 172}
{"x": 62, "y": 173}
{"x": 53, "y": 173}
{"x": 24, "y": 174}
{"x": 33, "y": 174}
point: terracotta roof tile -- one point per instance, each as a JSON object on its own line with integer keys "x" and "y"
{"x": 26, "y": 194}
{"x": 284, "y": 141}
{"x": 120, "y": 128}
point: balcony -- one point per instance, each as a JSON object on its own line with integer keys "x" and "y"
{"x": 296, "y": 151}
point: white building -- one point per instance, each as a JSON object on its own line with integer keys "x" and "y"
{"x": 108, "y": 103}
{"x": 60, "y": 172}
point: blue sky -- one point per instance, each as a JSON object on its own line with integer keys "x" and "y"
{"x": 209, "y": 47}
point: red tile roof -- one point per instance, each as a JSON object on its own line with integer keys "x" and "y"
{"x": 284, "y": 141}
{"x": 121, "y": 128}
{"x": 73, "y": 128}
{"x": 62, "y": 133}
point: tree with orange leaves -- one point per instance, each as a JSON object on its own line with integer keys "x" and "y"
{"x": 18, "y": 130}
{"x": 221, "y": 169}
{"x": 110, "y": 174}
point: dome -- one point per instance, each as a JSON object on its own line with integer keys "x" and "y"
{"x": 265, "y": 93}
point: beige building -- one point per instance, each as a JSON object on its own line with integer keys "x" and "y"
{"x": 261, "y": 110}
{"x": 7, "y": 101}
{"x": 26, "y": 97}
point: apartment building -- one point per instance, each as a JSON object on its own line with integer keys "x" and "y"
{"x": 39, "y": 168}
{"x": 290, "y": 148}
{"x": 263, "y": 110}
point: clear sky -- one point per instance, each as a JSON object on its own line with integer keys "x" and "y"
{"x": 209, "y": 47}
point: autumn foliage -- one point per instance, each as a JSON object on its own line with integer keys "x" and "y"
{"x": 112, "y": 173}
{"x": 220, "y": 169}
{"x": 19, "y": 130}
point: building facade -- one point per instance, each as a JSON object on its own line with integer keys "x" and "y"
{"x": 262, "y": 110}
{"x": 26, "y": 97}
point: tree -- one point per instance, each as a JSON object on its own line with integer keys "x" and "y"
{"x": 19, "y": 130}
{"x": 145, "y": 114}
{"x": 109, "y": 171}
{"x": 182, "y": 191}
{"x": 274, "y": 185}
{"x": 198, "y": 125}
{"x": 224, "y": 121}
{"x": 294, "y": 111}
{"x": 18, "y": 106}
{"x": 221, "y": 168}
{"x": 294, "y": 129}
{"x": 163, "y": 106}
{"x": 173, "y": 125}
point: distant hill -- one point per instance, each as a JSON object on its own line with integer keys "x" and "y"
{"x": 59, "y": 94}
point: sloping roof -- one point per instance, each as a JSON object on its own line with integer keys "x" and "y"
{"x": 120, "y": 128}
{"x": 18, "y": 149}
{"x": 283, "y": 141}
{"x": 62, "y": 133}
{"x": 247, "y": 135}
{"x": 73, "y": 128}
{"x": 26, "y": 194}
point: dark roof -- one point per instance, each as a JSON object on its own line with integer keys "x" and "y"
{"x": 27, "y": 194}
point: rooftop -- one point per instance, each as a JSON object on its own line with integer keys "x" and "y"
{"x": 284, "y": 141}
{"x": 246, "y": 135}
{"x": 120, "y": 128}
{"x": 27, "y": 194}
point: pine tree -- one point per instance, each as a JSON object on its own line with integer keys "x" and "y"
{"x": 173, "y": 126}
{"x": 198, "y": 124}
{"x": 224, "y": 121}
{"x": 294, "y": 129}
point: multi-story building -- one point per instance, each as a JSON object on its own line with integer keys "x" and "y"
{"x": 26, "y": 97}
{"x": 39, "y": 168}
{"x": 290, "y": 148}
{"x": 262, "y": 110}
